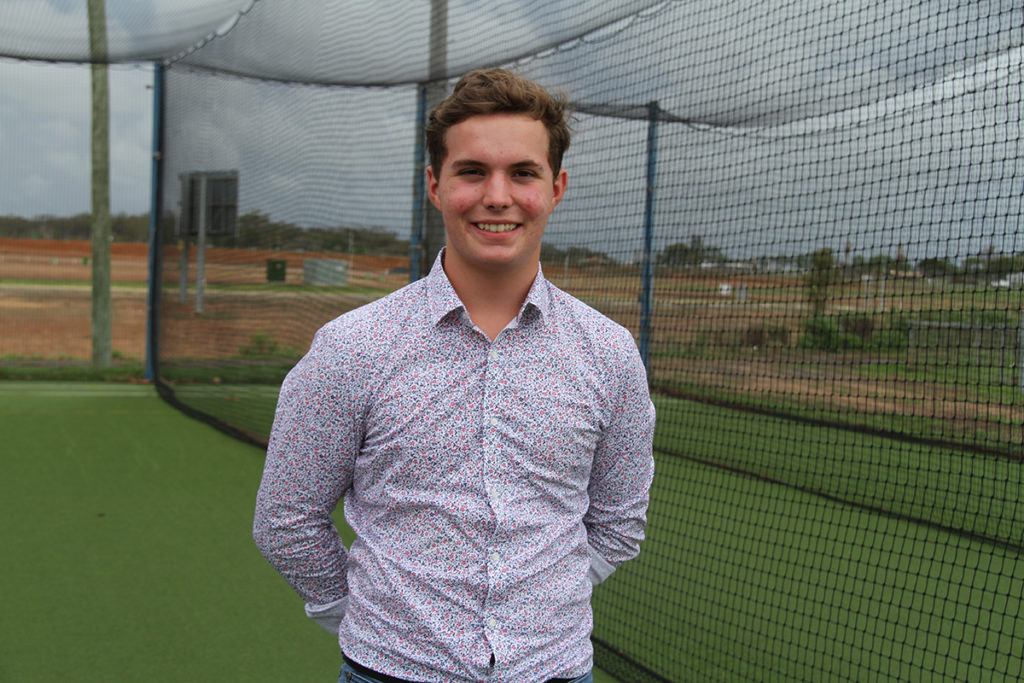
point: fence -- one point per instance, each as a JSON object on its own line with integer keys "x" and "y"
{"x": 790, "y": 207}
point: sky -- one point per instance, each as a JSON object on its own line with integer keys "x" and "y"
{"x": 859, "y": 125}
{"x": 45, "y": 129}
{"x": 45, "y": 120}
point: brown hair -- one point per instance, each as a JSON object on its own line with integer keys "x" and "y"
{"x": 497, "y": 91}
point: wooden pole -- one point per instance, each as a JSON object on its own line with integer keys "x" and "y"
{"x": 100, "y": 222}
{"x": 434, "y": 236}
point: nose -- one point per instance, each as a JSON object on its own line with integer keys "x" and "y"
{"x": 496, "y": 192}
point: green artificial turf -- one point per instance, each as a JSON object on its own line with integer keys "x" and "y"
{"x": 743, "y": 577}
{"x": 128, "y": 548}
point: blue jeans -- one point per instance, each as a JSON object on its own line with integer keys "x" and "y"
{"x": 349, "y": 676}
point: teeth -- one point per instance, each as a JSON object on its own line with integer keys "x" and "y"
{"x": 497, "y": 227}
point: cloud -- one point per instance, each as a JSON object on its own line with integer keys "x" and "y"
{"x": 305, "y": 154}
{"x": 137, "y": 30}
{"x": 45, "y": 132}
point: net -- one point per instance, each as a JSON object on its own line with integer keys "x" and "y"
{"x": 808, "y": 215}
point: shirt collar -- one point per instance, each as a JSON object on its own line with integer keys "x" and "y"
{"x": 441, "y": 296}
{"x": 539, "y": 296}
{"x": 443, "y": 299}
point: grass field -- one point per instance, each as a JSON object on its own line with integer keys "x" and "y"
{"x": 741, "y": 578}
{"x": 744, "y": 577}
{"x": 972, "y": 493}
{"x": 129, "y": 552}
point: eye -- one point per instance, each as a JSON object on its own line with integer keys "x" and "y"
{"x": 524, "y": 173}
{"x": 470, "y": 171}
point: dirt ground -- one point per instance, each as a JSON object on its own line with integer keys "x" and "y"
{"x": 46, "y": 302}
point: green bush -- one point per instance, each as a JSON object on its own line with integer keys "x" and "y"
{"x": 825, "y": 334}
{"x": 854, "y": 332}
{"x": 890, "y": 340}
{"x": 263, "y": 345}
{"x": 857, "y": 323}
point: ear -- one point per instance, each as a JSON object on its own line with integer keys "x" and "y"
{"x": 432, "y": 182}
{"x": 561, "y": 182}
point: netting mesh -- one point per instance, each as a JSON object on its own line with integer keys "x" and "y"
{"x": 808, "y": 215}
{"x": 136, "y": 31}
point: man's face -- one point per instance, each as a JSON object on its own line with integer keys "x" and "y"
{"x": 495, "y": 190}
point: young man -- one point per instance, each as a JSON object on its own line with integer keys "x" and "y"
{"x": 490, "y": 435}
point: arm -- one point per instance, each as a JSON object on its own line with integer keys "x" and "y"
{"x": 309, "y": 466}
{"x": 622, "y": 471}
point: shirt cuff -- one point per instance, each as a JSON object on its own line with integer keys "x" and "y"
{"x": 600, "y": 569}
{"x": 328, "y": 616}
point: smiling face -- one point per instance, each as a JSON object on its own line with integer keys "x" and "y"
{"x": 495, "y": 190}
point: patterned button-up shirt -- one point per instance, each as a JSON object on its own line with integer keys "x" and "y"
{"x": 485, "y": 481}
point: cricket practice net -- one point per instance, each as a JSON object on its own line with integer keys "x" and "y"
{"x": 809, "y": 214}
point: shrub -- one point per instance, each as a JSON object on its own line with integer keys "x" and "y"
{"x": 890, "y": 340}
{"x": 755, "y": 335}
{"x": 858, "y": 324}
{"x": 823, "y": 333}
{"x": 765, "y": 334}
{"x": 265, "y": 346}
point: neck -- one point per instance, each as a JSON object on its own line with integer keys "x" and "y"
{"x": 491, "y": 298}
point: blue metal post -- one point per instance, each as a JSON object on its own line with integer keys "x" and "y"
{"x": 647, "y": 273}
{"x": 155, "y": 238}
{"x": 418, "y": 187}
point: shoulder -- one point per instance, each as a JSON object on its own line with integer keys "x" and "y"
{"x": 357, "y": 344}
{"x": 350, "y": 350}
{"x": 378, "y": 320}
{"x": 604, "y": 351}
{"x": 594, "y": 331}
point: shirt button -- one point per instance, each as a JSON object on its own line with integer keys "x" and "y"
{"x": 494, "y": 421}
{"x": 494, "y": 355}
{"x": 492, "y": 622}
{"x": 496, "y": 557}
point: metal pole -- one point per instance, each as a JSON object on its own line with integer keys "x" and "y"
{"x": 100, "y": 221}
{"x": 183, "y": 261}
{"x": 910, "y": 344}
{"x": 419, "y": 189}
{"x": 1020, "y": 352}
{"x": 647, "y": 272}
{"x": 201, "y": 246}
{"x": 155, "y": 239}
{"x": 1002, "y": 354}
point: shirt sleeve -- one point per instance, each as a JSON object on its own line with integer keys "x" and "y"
{"x": 309, "y": 467}
{"x": 622, "y": 471}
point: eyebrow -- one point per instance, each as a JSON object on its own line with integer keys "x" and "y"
{"x": 473, "y": 163}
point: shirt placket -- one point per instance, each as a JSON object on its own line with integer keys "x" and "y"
{"x": 495, "y": 483}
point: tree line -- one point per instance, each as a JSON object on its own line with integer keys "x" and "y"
{"x": 992, "y": 264}
{"x": 255, "y": 230}
{"x": 124, "y": 227}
